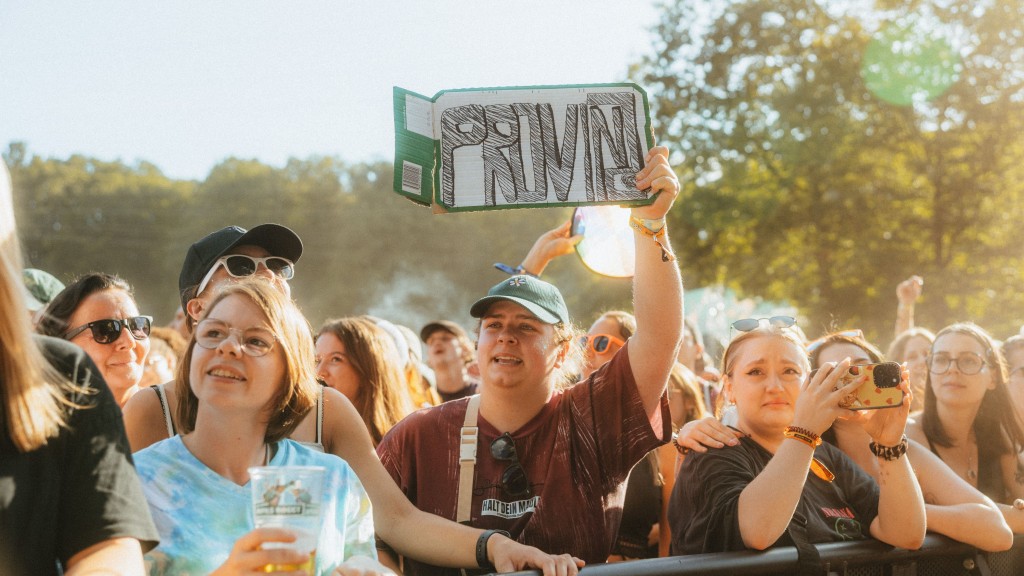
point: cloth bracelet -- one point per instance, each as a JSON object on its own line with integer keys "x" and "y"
{"x": 811, "y": 438}
{"x": 889, "y": 453}
{"x": 800, "y": 438}
{"x": 638, "y": 225}
{"x": 481, "y": 547}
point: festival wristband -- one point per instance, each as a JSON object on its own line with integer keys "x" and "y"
{"x": 481, "y": 547}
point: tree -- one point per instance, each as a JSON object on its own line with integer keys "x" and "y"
{"x": 805, "y": 185}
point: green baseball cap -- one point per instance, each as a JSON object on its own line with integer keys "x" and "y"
{"x": 542, "y": 299}
{"x": 40, "y": 288}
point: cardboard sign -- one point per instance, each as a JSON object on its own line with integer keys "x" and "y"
{"x": 522, "y": 147}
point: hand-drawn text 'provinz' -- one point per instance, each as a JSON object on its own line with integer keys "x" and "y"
{"x": 518, "y": 148}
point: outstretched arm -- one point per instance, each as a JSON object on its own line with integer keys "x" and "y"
{"x": 657, "y": 284}
{"x": 410, "y": 531}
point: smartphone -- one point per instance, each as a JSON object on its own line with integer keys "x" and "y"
{"x": 878, "y": 387}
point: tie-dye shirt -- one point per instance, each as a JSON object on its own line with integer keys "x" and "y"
{"x": 201, "y": 514}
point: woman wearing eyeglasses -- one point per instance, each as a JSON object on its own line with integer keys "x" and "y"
{"x": 246, "y": 382}
{"x": 968, "y": 417}
{"x": 98, "y": 313}
{"x": 781, "y": 485}
{"x": 953, "y": 507}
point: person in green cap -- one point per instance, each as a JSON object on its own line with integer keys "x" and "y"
{"x": 40, "y": 288}
{"x": 533, "y": 455}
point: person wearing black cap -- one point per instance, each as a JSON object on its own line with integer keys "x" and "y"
{"x": 268, "y": 250}
{"x": 452, "y": 357}
{"x": 534, "y": 455}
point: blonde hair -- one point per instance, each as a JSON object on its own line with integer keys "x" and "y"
{"x": 32, "y": 391}
{"x": 729, "y": 357}
{"x": 297, "y": 391}
{"x": 685, "y": 383}
{"x": 382, "y": 399}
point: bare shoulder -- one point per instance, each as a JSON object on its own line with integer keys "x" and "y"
{"x": 345, "y": 435}
{"x": 916, "y": 432}
{"x": 144, "y": 419}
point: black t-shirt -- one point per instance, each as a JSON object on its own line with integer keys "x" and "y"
{"x": 77, "y": 490}
{"x": 704, "y": 510}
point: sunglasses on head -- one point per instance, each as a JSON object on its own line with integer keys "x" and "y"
{"x": 109, "y": 330}
{"x": 748, "y": 324}
{"x": 599, "y": 342}
{"x": 513, "y": 479}
{"x": 242, "y": 266}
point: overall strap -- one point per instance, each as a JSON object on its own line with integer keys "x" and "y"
{"x": 467, "y": 459}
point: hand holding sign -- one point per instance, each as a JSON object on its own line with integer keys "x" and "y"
{"x": 659, "y": 176}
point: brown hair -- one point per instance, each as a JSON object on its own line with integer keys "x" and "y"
{"x": 729, "y": 356}
{"x": 899, "y": 346}
{"x": 297, "y": 391}
{"x": 682, "y": 381}
{"x": 382, "y": 399}
{"x": 842, "y": 338}
{"x": 996, "y": 423}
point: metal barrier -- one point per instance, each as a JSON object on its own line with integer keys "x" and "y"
{"x": 939, "y": 556}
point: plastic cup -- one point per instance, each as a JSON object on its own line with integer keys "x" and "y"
{"x": 289, "y": 497}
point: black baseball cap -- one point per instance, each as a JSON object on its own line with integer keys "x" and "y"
{"x": 274, "y": 238}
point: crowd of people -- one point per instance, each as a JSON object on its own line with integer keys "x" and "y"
{"x": 127, "y": 447}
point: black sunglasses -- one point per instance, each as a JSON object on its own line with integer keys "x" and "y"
{"x": 108, "y": 330}
{"x": 513, "y": 479}
{"x": 748, "y": 324}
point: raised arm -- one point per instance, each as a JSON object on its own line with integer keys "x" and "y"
{"x": 907, "y": 294}
{"x": 548, "y": 246}
{"x": 657, "y": 284}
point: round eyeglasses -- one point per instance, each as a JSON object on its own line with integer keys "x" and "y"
{"x": 253, "y": 341}
{"x": 967, "y": 363}
{"x": 513, "y": 479}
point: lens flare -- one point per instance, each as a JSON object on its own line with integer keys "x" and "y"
{"x": 910, "y": 62}
{"x": 607, "y": 245}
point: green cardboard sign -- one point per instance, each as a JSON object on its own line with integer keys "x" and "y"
{"x": 522, "y": 147}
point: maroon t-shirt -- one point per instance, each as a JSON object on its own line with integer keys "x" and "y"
{"x": 576, "y": 452}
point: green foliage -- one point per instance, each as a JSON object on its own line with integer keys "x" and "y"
{"x": 804, "y": 185}
{"x": 366, "y": 250}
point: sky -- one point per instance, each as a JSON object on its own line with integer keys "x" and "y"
{"x": 186, "y": 84}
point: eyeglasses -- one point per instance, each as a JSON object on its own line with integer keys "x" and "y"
{"x": 210, "y": 334}
{"x": 748, "y": 324}
{"x": 599, "y": 342}
{"x": 242, "y": 266}
{"x": 108, "y": 330}
{"x": 855, "y": 333}
{"x": 513, "y": 479}
{"x": 967, "y": 363}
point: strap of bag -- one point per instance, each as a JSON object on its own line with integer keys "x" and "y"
{"x": 808, "y": 559}
{"x": 467, "y": 459}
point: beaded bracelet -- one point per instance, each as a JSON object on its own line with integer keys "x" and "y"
{"x": 641, "y": 226}
{"x": 889, "y": 453}
{"x": 803, "y": 435}
{"x": 684, "y": 450}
